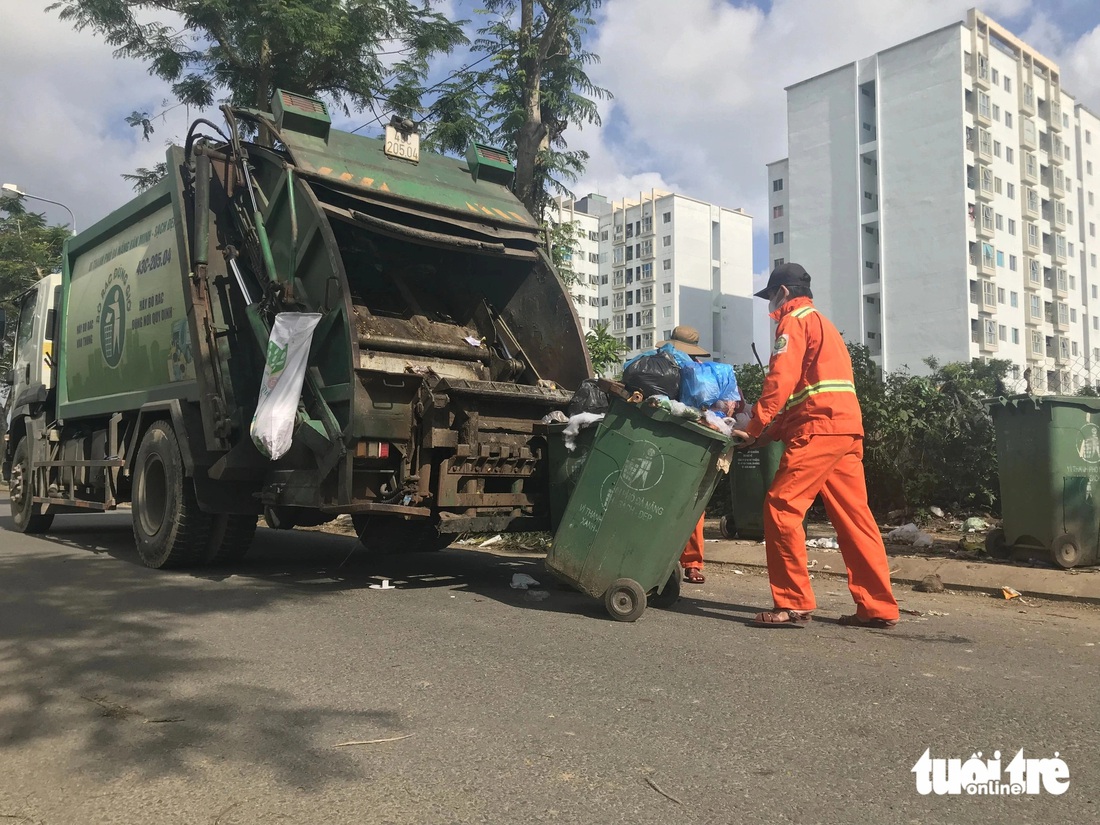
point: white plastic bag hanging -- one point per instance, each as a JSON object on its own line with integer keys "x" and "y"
{"x": 281, "y": 389}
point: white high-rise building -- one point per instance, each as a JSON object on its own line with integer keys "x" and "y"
{"x": 666, "y": 260}
{"x": 941, "y": 195}
{"x": 584, "y": 217}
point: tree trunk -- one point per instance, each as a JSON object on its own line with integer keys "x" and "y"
{"x": 263, "y": 91}
{"x": 532, "y": 133}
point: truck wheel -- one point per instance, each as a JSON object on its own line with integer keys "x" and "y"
{"x": 169, "y": 528}
{"x": 27, "y": 515}
{"x": 230, "y": 538}
{"x": 390, "y": 536}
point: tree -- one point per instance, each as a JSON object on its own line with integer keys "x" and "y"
{"x": 535, "y": 88}
{"x": 604, "y": 349}
{"x": 29, "y": 249}
{"x": 349, "y": 51}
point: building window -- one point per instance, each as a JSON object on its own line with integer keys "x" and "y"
{"x": 777, "y": 211}
{"x": 666, "y": 289}
{"x": 1011, "y": 228}
{"x": 1092, "y": 262}
{"x": 666, "y": 217}
{"x": 666, "y": 240}
{"x": 666, "y": 264}
{"x": 1012, "y": 263}
{"x": 777, "y": 185}
{"x": 1014, "y": 298}
{"x": 777, "y": 238}
{"x": 1008, "y": 156}
{"x": 1000, "y": 258}
{"x": 1002, "y": 332}
{"x": 983, "y": 104}
{"x": 1000, "y": 295}
{"x": 1008, "y": 115}
{"x": 996, "y": 148}
{"x": 778, "y": 262}
{"x": 667, "y": 313}
{"x": 1015, "y": 335}
{"x": 996, "y": 112}
{"x": 1088, "y": 166}
{"x": 1088, "y": 136}
{"x": 1010, "y": 190}
{"x": 603, "y": 235}
{"x": 1008, "y": 83}
{"x": 1000, "y": 223}
{"x": 995, "y": 77}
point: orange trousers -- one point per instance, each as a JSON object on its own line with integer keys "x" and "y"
{"x": 693, "y": 552}
{"x": 831, "y": 465}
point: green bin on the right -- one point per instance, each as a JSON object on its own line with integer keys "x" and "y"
{"x": 751, "y": 477}
{"x": 1048, "y": 466}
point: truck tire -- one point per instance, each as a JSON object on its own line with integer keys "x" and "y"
{"x": 390, "y": 536}
{"x": 230, "y": 538}
{"x": 169, "y": 528}
{"x": 27, "y": 515}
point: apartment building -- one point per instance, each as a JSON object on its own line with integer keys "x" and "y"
{"x": 941, "y": 194}
{"x": 584, "y": 258}
{"x": 672, "y": 259}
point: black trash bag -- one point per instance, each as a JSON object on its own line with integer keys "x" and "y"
{"x": 588, "y": 398}
{"x": 653, "y": 375}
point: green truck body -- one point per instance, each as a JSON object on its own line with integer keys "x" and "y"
{"x": 445, "y": 337}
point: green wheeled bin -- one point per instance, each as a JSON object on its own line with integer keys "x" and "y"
{"x": 751, "y": 477}
{"x": 1048, "y": 466}
{"x": 640, "y": 493}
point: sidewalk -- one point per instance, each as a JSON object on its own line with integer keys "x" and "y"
{"x": 1080, "y": 585}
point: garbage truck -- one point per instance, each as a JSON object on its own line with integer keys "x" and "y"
{"x": 444, "y": 337}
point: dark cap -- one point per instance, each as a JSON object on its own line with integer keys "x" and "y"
{"x": 686, "y": 339}
{"x": 785, "y": 275}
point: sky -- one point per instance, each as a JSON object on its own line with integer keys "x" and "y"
{"x": 698, "y": 107}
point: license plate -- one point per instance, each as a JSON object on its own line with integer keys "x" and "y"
{"x": 402, "y": 146}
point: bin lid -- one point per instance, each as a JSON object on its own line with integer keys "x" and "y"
{"x": 1086, "y": 402}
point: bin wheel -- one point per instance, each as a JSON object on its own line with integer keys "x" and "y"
{"x": 625, "y": 600}
{"x": 1065, "y": 551}
{"x": 728, "y": 527}
{"x": 670, "y": 595}
{"x": 996, "y": 544}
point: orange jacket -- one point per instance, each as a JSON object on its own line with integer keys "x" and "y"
{"x": 809, "y": 387}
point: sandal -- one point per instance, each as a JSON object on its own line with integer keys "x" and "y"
{"x": 873, "y": 624}
{"x": 781, "y": 617}
{"x": 694, "y": 575}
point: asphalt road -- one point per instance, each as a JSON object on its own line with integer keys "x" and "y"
{"x": 133, "y": 696}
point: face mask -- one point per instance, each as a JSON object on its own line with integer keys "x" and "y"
{"x": 776, "y": 301}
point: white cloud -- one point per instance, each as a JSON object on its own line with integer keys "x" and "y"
{"x": 63, "y": 107}
{"x": 699, "y": 84}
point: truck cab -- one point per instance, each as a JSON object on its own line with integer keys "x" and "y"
{"x": 32, "y": 375}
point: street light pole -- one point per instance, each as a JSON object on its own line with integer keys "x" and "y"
{"x": 15, "y": 191}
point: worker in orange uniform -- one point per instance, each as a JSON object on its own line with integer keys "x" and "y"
{"x": 686, "y": 339}
{"x": 809, "y": 400}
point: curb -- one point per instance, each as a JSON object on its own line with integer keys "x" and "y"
{"x": 1081, "y": 586}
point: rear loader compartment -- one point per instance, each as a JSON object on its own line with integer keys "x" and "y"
{"x": 445, "y": 337}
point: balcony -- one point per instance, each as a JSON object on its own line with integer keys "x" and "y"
{"x": 1057, "y": 150}
{"x": 1028, "y": 134}
{"x": 1055, "y": 212}
{"x": 1055, "y": 109}
{"x": 984, "y": 190}
{"x": 987, "y": 293}
{"x": 1034, "y": 279}
{"x": 1031, "y": 204}
{"x": 985, "y": 145}
{"x": 1031, "y": 238}
{"x": 979, "y": 65}
{"x": 983, "y": 226}
{"x": 1029, "y": 169}
{"x": 1027, "y": 99}
{"x": 985, "y": 259}
{"x": 1058, "y": 250}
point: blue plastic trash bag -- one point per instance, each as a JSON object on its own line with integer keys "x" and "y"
{"x": 702, "y": 384}
{"x": 681, "y": 358}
